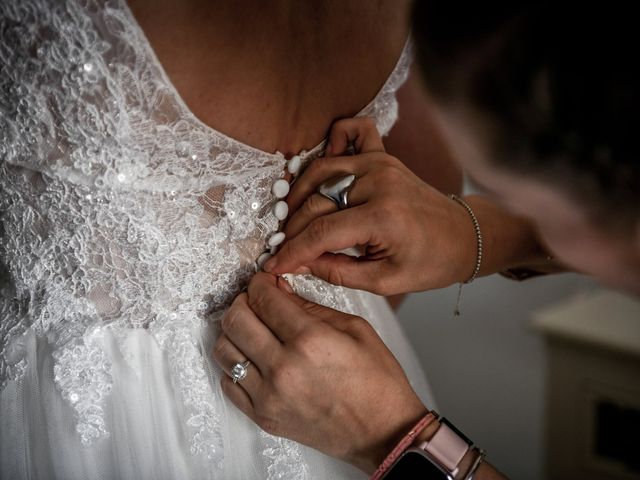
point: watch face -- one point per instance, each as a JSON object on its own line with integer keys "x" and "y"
{"x": 414, "y": 465}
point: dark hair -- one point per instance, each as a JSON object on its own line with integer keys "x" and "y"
{"x": 559, "y": 81}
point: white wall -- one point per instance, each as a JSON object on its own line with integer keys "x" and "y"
{"x": 487, "y": 367}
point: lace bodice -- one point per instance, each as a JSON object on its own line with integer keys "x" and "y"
{"x": 120, "y": 210}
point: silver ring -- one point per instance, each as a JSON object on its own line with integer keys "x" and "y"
{"x": 239, "y": 371}
{"x": 337, "y": 190}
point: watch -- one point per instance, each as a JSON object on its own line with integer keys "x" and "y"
{"x": 438, "y": 458}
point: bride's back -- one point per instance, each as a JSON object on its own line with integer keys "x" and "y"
{"x": 127, "y": 225}
{"x": 274, "y": 75}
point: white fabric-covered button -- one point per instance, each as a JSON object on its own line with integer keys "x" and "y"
{"x": 281, "y": 210}
{"x": 280, "y": 188}
{"x": 262, "y": 259}
{"x": 276, "y": 239}
{"x": 294, "y": 164}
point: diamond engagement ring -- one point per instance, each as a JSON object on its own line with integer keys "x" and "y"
{"x": 337, "y": 190}
{"x": 239, "y": 371}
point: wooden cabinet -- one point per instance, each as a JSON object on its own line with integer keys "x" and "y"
{"x": 593, "y": 387}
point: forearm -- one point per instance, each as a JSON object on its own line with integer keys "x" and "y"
{"x": 509, "y": 241}
{"x": 486, "y": 471}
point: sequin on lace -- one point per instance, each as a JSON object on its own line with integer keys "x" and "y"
{"x": 120, "y": 210}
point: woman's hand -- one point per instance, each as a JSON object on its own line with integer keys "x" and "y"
{"x": 317, "y": 376}
{"x": 413, "y": 237}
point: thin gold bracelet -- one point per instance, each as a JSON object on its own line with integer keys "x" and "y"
{"x": 476, "y": 270}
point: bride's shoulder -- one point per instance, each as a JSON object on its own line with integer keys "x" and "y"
{"x": 66, "y": 73}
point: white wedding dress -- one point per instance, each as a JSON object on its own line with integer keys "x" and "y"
{"x": 127, "y": 227}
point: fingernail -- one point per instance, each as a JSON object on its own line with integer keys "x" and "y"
{"x": 302, "y": 270}
{"x": 282, "y": 283}
{"x": 270, "y": 265}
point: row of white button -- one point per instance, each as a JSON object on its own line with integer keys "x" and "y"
{"x": 280, "y": 190}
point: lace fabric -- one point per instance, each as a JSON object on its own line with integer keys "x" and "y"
{"x": 128, "y": 226}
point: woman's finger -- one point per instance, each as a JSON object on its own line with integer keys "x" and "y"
{"x": 278, "y": 312}
{"x": 354, "y": 272}
{"x": 314, "y": 206}
{"x": 238, "y": 396}
{"x": 227, "y": 355}
{"x": 323, "y": 169}
{"x": 317, "y": 205}
{"x": 248, "y": 333}
{"x": 360, "y": 132}
{"x": 329, "y": 233}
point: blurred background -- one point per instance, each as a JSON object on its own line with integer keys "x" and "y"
{"x": 491, "y": 371}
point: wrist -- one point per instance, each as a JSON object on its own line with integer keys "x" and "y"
{"x": 443, "y": 447}
{"x": 508, "y": 240}
{"x": 427, "y": 434}
{"x": 371, "y": 456}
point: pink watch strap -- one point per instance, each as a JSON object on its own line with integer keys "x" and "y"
{"x": 403, "y": 445}
{"x": 447, "y": 447}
